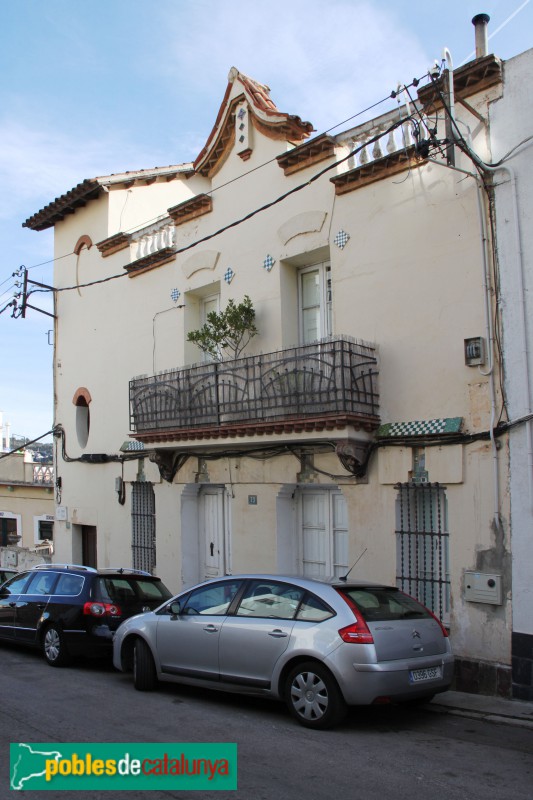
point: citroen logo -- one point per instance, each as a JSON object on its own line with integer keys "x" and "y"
{"x": 415, "y": 634}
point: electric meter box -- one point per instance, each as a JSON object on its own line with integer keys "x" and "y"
{"x": 481, "y": 587}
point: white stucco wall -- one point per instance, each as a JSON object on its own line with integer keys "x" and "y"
{"x": 410, "y": 280}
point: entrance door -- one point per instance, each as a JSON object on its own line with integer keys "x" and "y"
{"x": 88, "y": 545}
{"x": 213, "y": 540}
{"x": 324, "y": 533}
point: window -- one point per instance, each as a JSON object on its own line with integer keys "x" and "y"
{"x": 45, "y": 529}
{"x": 69, "y": 585}
{"x": 314, "y": 291}
{"x": 209, "y": 305}
{"x": 81, "y": 400}
{"x": 422, "y": 542}
{"x": 324, "y": 533}
{"x": 143, "y": 526}
{"x": 213, "y": 599}
{"x": 270, "y": 599}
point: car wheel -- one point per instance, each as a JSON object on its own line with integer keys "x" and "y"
{"x": 144, "y": 674}
{"x": 54, "y": 647}
{"x": 313, "y": 696}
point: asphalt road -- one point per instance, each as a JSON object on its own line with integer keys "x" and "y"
{"x": 377, "y": 754}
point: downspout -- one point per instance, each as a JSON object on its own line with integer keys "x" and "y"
{"x": 489, "y": 332}
{"x": 523, "y": 321}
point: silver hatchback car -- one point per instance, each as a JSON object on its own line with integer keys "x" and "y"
{"x": 318, "y": 645}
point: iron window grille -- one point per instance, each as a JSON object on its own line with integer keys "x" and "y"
{"x": 143, "y": 526}
{"x": 422, "y": 545}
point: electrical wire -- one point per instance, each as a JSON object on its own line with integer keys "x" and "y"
{"x": 415, "y": 82}
{"x": 26, "y": 444}
{"x": 241, "y": 220}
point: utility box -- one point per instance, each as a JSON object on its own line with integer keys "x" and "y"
{"x": 481, "y": 587}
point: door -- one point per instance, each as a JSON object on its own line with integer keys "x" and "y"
{"x": 213, "y": 539}
{"x": 9, "y": 596}
{"x": 32, "y": 604}
{"x": 252, "y": 641}
{"x": 324, "y": 533}
{"x": 188, "y": 642}
{"x": 88, "y": 545}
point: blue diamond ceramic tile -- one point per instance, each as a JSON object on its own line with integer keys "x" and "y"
{"x": 229, "y": 275}
{"x": 341, "y": 239}
{"x": 175, "y": 295}
{"x": 268, "y": 263}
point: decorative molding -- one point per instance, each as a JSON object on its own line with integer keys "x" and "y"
{"x": 83, "y": 241}
{"x": 113, "y": 244}
{"x": 191, "y": 209}
{"x": 475, "y": 76}
{"x": 280, "y": 427}
{"x": 306, "y": 222}
{"x": 205, "y": 259}
{"x": 81, "y": 394}
{"x": 341, "y": 239}
{"x": 150, "y": 261}
{"x": 428, "y": 427}
{"x": 307, "y": 154}
{"x": 377, "y": 170}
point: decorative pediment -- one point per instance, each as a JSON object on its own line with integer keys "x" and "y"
{"x": 247, "y": 105}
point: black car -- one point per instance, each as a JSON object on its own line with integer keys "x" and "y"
{"x": 68, "y": 610}
{"x": 5, "y": 573}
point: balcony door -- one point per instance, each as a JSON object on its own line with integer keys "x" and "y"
{"x": 314, "y": 297}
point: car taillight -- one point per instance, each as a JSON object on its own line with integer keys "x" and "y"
{"x": 101, "y": 610}
{"x": 357, "y": 633}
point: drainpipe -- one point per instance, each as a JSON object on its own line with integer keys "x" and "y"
{"x": 489, "y": 332}
{"x": 522, "y": 311}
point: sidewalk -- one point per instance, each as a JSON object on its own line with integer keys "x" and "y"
{"x": 479, "y": 706}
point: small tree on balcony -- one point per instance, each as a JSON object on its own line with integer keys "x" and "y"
{"x": 226, "y": 333}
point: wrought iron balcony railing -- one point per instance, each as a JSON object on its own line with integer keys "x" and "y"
{"x": 334, "y": 378}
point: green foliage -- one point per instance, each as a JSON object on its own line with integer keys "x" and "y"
{"x": 226, "y": 333}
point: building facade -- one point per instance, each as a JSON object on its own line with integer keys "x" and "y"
{"x": 360, "y": 429}
{"x": 27, "y": 503}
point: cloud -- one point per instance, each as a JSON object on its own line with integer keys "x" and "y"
{"x": 322, "y": 61}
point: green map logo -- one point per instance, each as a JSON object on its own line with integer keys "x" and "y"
{"x": 129, "y": 765}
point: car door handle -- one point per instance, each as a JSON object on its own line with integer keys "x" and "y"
{"x": 211, "y": 628}
{"x": 278, "y": 634}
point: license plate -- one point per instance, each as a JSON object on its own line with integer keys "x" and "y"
{"x": 428, "y": 674}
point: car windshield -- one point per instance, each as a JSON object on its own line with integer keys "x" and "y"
{"x": 131, "y": 589}
{"x": 377, "y": 604}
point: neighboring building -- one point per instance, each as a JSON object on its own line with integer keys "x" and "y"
{"x": 359, "y": 424}
{"x": 27, "y": 504}
{"x": 511, "y": 123}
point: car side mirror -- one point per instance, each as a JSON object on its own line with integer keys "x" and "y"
{"x": 175, "y": 608}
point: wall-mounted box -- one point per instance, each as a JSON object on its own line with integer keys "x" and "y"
{"x": 482, "y": 587}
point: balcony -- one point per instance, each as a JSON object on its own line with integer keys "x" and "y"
{"x": 323, "y": 386}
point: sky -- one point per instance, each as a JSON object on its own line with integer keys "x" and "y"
{"x": 95, "y": 87}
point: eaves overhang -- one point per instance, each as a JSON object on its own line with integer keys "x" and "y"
{"x": 473, "y": 77}
{"x": 91, "y": 188}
